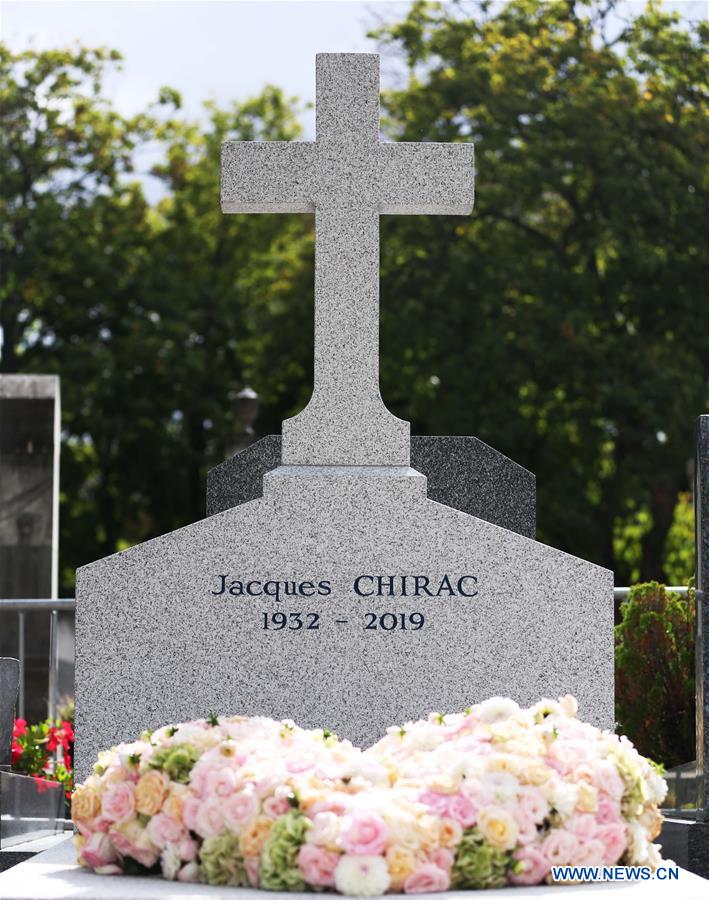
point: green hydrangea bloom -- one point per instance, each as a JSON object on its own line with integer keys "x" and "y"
{"x": 220, "y": 860}
{"x": 478, "y": 865}
{"x": 176, "y": 761}
{"x": 278, "y": 870}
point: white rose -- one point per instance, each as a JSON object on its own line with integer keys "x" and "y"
{"x": 496, "y": 709}
{"x": 170, "y": 862}
{"x": 362, "y": 876}
{"x": 563, "y": 797}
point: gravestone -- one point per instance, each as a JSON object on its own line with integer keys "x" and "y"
{"x": 30, "y": 808}
{"x": 29, "y": 514}
{"x": 462, "y": 472}
{"x": 343, "y": 596}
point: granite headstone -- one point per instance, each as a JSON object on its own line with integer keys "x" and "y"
{"x": 344, "y": 596}
{"x": 462, "y": 472}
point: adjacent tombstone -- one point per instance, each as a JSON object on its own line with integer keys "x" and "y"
{"x": 344, "y": 596}
{"x": 29, "y": 514}
{"x": 462, "y": 472}
{"x": 29, "y": 808}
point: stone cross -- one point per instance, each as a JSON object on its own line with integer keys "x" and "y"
{"x": 348, "y": 178}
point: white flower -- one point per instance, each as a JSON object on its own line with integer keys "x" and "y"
{"x": 325, "y": 830}
{"x": 170, "y": 862}
{"x": 362, "y": 876}
{"x": 496, "y": 709}
{"x": 563, "y": 797}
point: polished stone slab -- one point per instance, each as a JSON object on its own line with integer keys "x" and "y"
{"x": 54, "y": 875}
{"x": 462, "y": 472}
{"x": 158, "y": 640}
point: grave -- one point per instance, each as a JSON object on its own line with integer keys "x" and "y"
{"x": 343, "y": 596}
{"x": 339, "y": 592}
{"x": 30, "y": 809}
{"x": 29, "y": 513}
{"x": 462, "y": 472}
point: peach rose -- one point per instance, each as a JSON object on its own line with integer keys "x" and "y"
{"x": 317, "y": 865}
{"x": 255, "y": 835}
{"x": 450, "y": 833}
{"x": 498, "y": 828}
{"x": 401, "y": 862}
{"x": 150, "y": 792}
{"x": 85, "y": 803}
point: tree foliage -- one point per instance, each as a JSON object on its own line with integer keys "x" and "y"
{"x": 654, "y": 681}
{"x": 565, "y": 322}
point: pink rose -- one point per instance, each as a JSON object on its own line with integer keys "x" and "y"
{"x": 443, "y": 858}
{"x": 221, "y": 782}
{"x": 590, "y": 853}
{"x": 239, "y": 809}
{"x": 608, "y": 812}
{"x": 133, "y": 840}
{"x": 363, "y": 834}
{"x": 275, "y": 807}
{"x": 98, "y": 851}
{"x": 164, "y": 830}
{"x": 190, "y": 807}
{"x": 527, "y": 829}
{"x": 435, "y": 801}
{"x": 534, "y": 804}
{"x": 118, "y": 802}
{"x": 188, "y": 849}
{"x": 608, "y": 779}
{"x": 251, "y": 864}
{"x": 189, "y": 873}
{"x": 210, "y": 818}
{"x": 318, "y": 865}
{"x": 427, "y": 879}
{"x": 463, "y": 810}
{"x": 560, "y": 847}
{"x": 613, "y": 839}
{"x": 110, "y": 869}
{"x": 582, "y": 825}
{"x": 333, "y": 805}
{"x": 535, "y": 866}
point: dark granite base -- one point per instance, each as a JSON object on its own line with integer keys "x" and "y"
{"x": 10, "y": 858}
{"x": 462, "y": 472}
{"x": 686, "y": 842}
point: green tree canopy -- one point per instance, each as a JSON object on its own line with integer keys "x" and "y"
{"x": 564, "y": 322}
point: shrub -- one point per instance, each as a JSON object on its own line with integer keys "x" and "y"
{"x": 655, "y": 702}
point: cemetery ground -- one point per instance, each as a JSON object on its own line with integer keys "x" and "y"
{"x": 347, "y": 575}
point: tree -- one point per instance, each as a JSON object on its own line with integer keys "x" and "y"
{"x": 565, "y": 322}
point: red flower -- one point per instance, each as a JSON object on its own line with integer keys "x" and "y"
{"x": 17, "y": 752}
{"x": 20, "y": 727}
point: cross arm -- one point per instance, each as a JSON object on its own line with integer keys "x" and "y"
{"x": 267, "y": 176}
{"x": 426, "y": 178}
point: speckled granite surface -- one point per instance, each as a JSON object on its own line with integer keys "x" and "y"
{"x": 159, "y": 640}
{"x": 462, "y": 472}
{"x": 348, "y": 178}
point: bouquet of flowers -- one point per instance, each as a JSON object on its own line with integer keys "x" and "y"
{"x": 45, "y": 751}
{"x": 491, "y": 796}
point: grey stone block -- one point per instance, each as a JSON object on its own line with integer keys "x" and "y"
{"x": 348, "y": 178}
{"x": 158, "y": 640}
{"x": 462, "y": 472}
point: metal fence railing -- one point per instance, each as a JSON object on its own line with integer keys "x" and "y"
{"x": 53, "y": 607}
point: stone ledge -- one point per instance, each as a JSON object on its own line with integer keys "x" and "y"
{"x": 53, "y": 875}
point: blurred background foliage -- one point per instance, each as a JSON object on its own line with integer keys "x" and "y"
{"x": 565, "y": 322}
